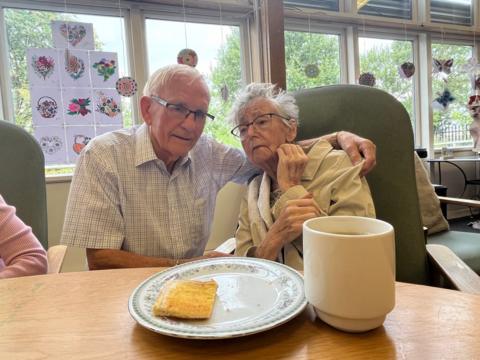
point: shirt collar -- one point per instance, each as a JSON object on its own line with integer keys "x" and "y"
{"x": 144, "y": 151}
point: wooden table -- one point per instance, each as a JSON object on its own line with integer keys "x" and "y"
{"x": 84, "y": 315}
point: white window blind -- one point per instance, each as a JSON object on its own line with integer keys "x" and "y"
{"x": 398, "y": 9}
{"x": 331, "y": 5}
{"x": 458, "y": 12}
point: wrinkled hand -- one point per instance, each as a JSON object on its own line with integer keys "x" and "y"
{"x": 289, "y": 224}
{"x": 356, "y": 147}
{"x": 291, "y": 164}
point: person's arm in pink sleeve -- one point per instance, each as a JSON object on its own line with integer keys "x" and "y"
{"x": 20, "y": 251}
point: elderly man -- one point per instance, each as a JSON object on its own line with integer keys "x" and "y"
{"x": 145, "y": 196}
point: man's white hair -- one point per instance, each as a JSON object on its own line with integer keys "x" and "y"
{"x": 285, "y": 102}
{"x": 162, "y": 77}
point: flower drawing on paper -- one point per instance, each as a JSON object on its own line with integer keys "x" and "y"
{"x": 50, "y": 144}
{"x": 73, "y": 33}
{"x": 79, "y": 142}
{"x": 107, "y": 106}
{"x": 74, "y": 66}
{"x": 43, "y": 66}
{"x": 105, "y": 68}
{"x": 78, "y": 106}
{"x": 47, "y": 107}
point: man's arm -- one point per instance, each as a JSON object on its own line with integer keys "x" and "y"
{"x": 356, "y": 147}
{"x": 101, "y": 259}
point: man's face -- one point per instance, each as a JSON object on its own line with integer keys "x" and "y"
{"x": 173, "y": 136}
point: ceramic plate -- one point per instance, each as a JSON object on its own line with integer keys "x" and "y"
{"x": 253, "y": 295}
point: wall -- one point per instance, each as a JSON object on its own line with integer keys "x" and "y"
{"x": 224, "y": 224}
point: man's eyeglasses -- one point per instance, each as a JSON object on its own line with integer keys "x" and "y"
{"x": 261, "y": 122}
{"x": 181, "y": 112}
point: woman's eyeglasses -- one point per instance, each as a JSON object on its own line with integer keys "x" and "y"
{"x": 261, "y": 122}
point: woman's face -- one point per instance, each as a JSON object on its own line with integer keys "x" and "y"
{"x": 261, "y": 144}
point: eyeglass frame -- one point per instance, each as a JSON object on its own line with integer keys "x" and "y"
{"x": 252, "y": 123}
{"x": 195, "y": 113}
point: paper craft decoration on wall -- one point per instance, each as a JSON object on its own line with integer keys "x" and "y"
{"x": 46, "y": 106}
{"x": 188, "y": 57}
{"x": 103, "y": 69}
{"x": 107, "y": 107}
{"x": 43, "y": 67}
{"x": 126, "y": 86}
{"x": 72, "y": 35}
{"x": 406, "y": 70}
{"x": 75, "y": 68}
{"x": 52, "y": 143}
{"x": 77, "y": 138}
{"x": 78, "y": 106}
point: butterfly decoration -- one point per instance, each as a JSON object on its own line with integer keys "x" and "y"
{"x": 79, "y": 142}
{"x": 443, "y": 100}
{"x": 406, "y": 70}
{"x": 367, "y": 79}
{"x": 472, "y": 66}
{"x": 442, "y": 68}
{"x": 50, "y": 144}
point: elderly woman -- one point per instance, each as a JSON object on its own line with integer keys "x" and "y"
{"x": 296, "y": 184}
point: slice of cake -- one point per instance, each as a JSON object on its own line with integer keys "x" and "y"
{"x": 186, "y": 299}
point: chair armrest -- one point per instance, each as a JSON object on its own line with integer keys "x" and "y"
{"x": 228, "y": 246}
{"x": 55, "y": 256}
{"x": 459, "y": 274}
{"x": 459, "y": 201}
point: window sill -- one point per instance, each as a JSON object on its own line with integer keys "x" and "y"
{"x": 55, "y": 179}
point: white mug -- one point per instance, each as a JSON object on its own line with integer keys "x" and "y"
{"x": 349, "y": 270}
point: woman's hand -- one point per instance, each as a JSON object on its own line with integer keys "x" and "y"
{"x": 291, "y": 164}
{"x": 288, "y": 226}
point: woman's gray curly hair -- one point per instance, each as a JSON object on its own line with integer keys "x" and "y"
{"x": 285, "y": 102}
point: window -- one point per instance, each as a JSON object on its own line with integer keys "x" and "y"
{"x": 397, "y": 9}
{"x": 331, "y": 5}
{"x": 450, "y": 124}
{"x": 304, "y": 50}
{"x": 383, "y": 58}
{"x": 219, "y": 60}
{"x": 457, "y": 12}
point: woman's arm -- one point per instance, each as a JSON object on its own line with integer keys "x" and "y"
{"x": 20, "y": 250}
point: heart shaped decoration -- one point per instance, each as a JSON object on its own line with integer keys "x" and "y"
{"x": 43, "y": 66}
{"x": 73, "y": 33}
{"x": 406, "y": 70}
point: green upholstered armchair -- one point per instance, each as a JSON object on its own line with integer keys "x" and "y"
{"x": 22, "y": 184}
{"x": 376, "y": 115}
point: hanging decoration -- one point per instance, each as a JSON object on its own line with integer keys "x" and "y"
{"x": 367, "y": 79}
{"x": 126, "y": 86}
{"x": 224, "y": 92}
{"x": 473, "y": 106}
{"x": 311, "y": 70}
{"x": 47, "y": 107}
{"x": 443, "y": 100}
{"x": 442, "y": 68}
{"x": 187, "y": 57}
{"x": 406, "y": 70}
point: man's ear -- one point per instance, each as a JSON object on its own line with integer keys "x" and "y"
{"x": 292, "y": 130}
{"x": 145, "y": 104}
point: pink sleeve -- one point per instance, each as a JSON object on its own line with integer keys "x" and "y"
{"x": 21, "y": 254}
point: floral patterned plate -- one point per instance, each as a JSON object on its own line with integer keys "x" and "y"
{"x": 253, "y": 295}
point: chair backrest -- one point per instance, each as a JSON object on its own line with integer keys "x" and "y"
{"x": 22, "y": 178}
{"x": 378, "y": 116}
